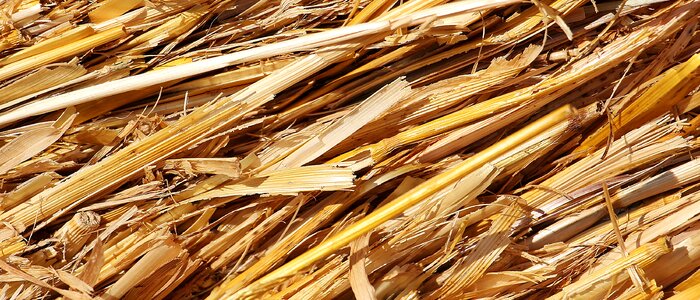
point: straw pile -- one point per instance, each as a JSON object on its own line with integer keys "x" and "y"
{"x": 369, "y": 149}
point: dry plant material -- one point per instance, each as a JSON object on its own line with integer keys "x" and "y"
{"x": 369, "y": 149}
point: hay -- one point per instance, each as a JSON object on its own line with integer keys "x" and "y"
{"x": 370, "y": 149}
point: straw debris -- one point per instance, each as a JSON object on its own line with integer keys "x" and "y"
{"x": 369, "y": 149}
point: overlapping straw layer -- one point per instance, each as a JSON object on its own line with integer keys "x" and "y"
{"x": 369, "y": 149}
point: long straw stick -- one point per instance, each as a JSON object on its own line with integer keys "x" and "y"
{"x": 411, "y": 198}
{"x": 310, "y": 41}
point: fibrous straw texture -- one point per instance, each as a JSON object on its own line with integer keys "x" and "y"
{"x": 369, "y": 149}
